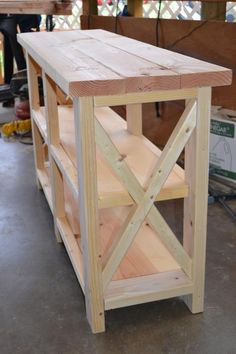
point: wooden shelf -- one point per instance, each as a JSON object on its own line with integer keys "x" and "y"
{"x": 154, "y": 287}
{"x": 111, "y": 191}
{"x": 147, "y": 254}
{"x": 40, "y": 120}
{"x": 45, "y": 183}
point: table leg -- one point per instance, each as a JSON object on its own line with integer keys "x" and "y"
{"x": 88, "y": 206}
{"x": 195, "y": 206}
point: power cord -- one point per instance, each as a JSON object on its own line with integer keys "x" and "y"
{"x": 196, "y": 28}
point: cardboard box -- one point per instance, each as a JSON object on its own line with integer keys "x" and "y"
{"x": 223, "y": 143}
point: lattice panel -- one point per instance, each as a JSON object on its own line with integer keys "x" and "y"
{"x": 190, "y": 10}
{"x": 111, "y": 8}
{"x": 231, "y": 12}
{"x": 73, "y": 21}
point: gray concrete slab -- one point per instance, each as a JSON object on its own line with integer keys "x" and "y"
{"x": 42, "y": 307}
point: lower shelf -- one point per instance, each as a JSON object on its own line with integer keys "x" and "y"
{"x": 149, "y": 288}
{"x": 125, "y": 290}
{"x": 146, "y": 255}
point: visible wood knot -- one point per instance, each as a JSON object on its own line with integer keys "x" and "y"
{"x": 122, "y": 157}
{"x": 187, "y": 130}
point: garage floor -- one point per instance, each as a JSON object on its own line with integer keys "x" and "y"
{"x": 42, "y": 307}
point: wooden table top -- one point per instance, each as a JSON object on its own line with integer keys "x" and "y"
{"x": 97, "y": 62}
{"x": 48, "y": 7}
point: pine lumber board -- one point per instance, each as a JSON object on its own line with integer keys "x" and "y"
{"x": 72, "y": 248}
{"x": 88, "y": 206}
{"x": 56, "y": 182}
{"x": 134, "y": 118}
{"x": 154, "y": 287}
{"x": 195, "y": 206}
{"x": 145, "y": 97}
{"x": 117, "y": 68}
{"x": 199, "y": 39}
{"x": 34, "y": 99}
{"x": 193, "y": 72}
{"x": 40, "y": 120}
{"x": 45, "y": 183}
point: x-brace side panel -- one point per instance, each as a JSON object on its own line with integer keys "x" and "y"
{"x": 144, "y": 197}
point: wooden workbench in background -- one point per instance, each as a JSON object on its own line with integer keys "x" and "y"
{"x": 48, "y": 7}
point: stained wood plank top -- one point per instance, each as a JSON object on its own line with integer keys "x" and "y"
{"x": 97, "y": 62}
{"x": 36, "y": 7}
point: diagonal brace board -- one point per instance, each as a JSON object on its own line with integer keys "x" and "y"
{"x": 144, "y": 200}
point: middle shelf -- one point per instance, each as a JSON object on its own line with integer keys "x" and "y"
{"x": 141, "y": 157}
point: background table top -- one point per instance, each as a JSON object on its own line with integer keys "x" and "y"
{"x": 36, "y": 7}
{"x": 97, "y": 62}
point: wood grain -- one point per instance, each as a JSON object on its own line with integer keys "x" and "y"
{"x": 36, "y": 7}
{"x": 90, "y": 63}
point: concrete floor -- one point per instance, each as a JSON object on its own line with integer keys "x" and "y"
{"x": 42, "y": 307}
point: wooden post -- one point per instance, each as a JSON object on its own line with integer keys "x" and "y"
{"x": 88, "y": 205}
{"x": 213, "y": 10}
{"x": 195, "y": 206}
{"x": 34, "y": 104}
{"x": 135, "y": 8}
{"x": 134, "y": 118}
{"x": 90, "y": 7}
{"x": 56, "y": 181}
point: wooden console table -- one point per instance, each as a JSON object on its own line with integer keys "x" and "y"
{"x": 101, "y": 176}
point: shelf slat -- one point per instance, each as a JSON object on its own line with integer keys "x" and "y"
{"x": 39, "y": 118}
{"x": 67, "y": 168}
{"x": 45, "y": 183}
{"x": 149, "y": 288}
